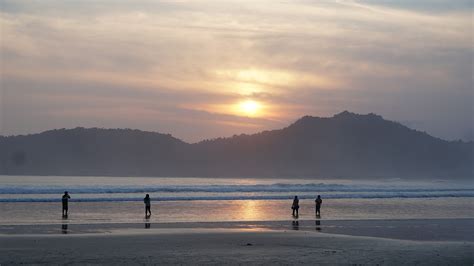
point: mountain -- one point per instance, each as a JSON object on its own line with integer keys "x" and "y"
{"x": 346, "y": 145}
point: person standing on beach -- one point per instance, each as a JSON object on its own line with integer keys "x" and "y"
{"x": 295, "y": 206}
{"x": 318, "y": 202}
{"x": 147, "y": 202}
{"x": 65, "y": 201}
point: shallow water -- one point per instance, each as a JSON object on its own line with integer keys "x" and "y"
{"x": 101, "y": 189}
{"x": 235, "y": 210}
{"x": 33, "y": 200}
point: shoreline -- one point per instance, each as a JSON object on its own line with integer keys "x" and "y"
{"x": 461, "y": 229}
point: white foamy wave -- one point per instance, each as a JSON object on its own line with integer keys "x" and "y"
{"x": 373, "y": 195}
{"x": 278, "y": 187}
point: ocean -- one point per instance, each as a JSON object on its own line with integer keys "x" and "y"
{"x": 37, "y": 199}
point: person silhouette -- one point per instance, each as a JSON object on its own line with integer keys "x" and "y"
{"x": 318, "y": 202}
{"x": 147, "y": 202}
{"x": 65, "y": 201}
{"x": 296, "y": 205}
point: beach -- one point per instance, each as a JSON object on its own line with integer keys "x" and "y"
{"x": 281, "y": 243}
{"x": 236, "y": 132}
{"x": 227, "y": 246}
{"x": 234, "y": 221}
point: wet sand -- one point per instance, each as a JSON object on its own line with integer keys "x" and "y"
{"x": 403, "y": 229}
{"x": 217, "y": 247}
{"x": 291, "y": 242}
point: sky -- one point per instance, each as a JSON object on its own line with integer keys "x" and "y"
{"x": 207, "y": 69}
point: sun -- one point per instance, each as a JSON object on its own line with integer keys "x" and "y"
{"x": 250, "y": 107}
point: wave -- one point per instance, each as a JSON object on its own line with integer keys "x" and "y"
{"x": 438, "y": 194}
{"x": 278, "y": 187}
{"x": 276, "y": 191}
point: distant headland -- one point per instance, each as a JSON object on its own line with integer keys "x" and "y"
{"x": 347, "y": 145}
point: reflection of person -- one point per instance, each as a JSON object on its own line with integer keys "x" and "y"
{"x": 296, "y": 225}
{"x": 64, "y": 228}
{"x": 296, "y": 205}
{"x": 147, "y": 202}
{"x": 64, "y": 225}
{"x": 65, "y": 201}
{"x": 318, "y": 202}
{"x": 318, "y": 225}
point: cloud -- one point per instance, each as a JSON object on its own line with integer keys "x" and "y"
{"x": 428, "y": 6}
{"x": 166, "y": 65}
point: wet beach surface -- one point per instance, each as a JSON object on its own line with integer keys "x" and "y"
{"x": 406, "y": 229}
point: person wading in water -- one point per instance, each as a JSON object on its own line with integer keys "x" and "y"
{"x": 296, "y": 205}
{"x": 318, "y": 202}
{"x": 65, "y": 201}
{"x": 147, "y": 202}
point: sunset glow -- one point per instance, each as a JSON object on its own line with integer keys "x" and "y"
{"x": 250, "y": 108}
{"x": 207, "y": 69}
{"x": 239, "y": 118}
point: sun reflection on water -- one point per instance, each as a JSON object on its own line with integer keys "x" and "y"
{"x": 250, "y": 210}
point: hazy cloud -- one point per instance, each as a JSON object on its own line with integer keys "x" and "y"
{"x": 175, "y": 66}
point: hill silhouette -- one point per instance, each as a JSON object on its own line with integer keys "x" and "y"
{"x": 346, "y": 145}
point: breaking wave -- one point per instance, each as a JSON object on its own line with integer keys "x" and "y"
{"x": 321, "y": 187}
{"x": 275, "y": 191}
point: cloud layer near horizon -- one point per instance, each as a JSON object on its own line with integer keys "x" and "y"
{"x": 180, "y": 67}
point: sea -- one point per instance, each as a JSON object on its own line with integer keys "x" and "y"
{"x": 30, "y": 200}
